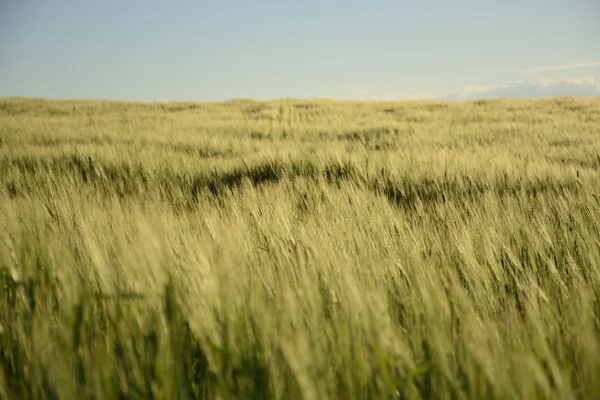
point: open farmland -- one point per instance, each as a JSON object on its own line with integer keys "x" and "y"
{"x": 300, "y": 249}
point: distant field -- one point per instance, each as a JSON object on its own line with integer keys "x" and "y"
{"x": 300, "y": 250}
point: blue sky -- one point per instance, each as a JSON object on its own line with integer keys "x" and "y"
{"x": 221, "y": 49}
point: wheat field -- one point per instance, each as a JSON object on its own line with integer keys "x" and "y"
{"x": 294, "y": 249}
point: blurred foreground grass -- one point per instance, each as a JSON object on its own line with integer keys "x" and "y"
{"x": 300, "y": 249}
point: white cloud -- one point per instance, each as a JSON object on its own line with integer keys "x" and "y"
{"x": 541, "y": 87}
{"x": 540, "y": 82}
{"x": 589, "y": 80}
{"x": 587, "y": 86}
{"x": 546, "y": 68}
{"x": 473, "y": 89}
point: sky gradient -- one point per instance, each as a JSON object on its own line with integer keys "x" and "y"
{"x": 216, "y": 50}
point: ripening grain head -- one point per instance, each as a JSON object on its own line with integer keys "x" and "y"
{"x": 300, "y": 249}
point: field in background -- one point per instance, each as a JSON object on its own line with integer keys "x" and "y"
{"x": 300, "y": 249}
